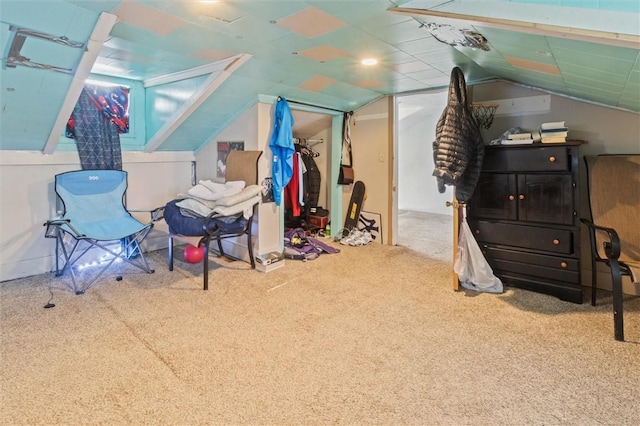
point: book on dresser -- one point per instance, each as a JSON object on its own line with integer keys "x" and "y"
{"x": 525, "y": 135}
{"x": 522, "y": 138}
{"x": 551, "y": 125}
{"x": 553, "y": 132}
{"x": 553, "y": 139}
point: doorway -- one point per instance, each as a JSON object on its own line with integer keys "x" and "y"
{"x": 313, "y": 130}
{"x": 424, "y": 222}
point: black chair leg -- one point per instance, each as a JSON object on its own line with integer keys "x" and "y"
{"x": 616, "y": 283}
{"x": 170, "y": 254}
{"x": 205, "y": 263}
{"x": 220, "y": 247}
{"x": 594, "y": 286}
{"x": 250, "y": 247}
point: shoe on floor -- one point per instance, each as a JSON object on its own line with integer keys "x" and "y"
{"x": 356, "y": 238}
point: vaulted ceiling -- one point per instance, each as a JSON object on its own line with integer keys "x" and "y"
{"x": 307, "y": 51}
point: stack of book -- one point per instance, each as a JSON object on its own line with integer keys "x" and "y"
{"x": 518, "y": 139}
{"x": 553, "y": 132}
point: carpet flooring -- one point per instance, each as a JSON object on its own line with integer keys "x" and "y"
{"x": 371, "y": 335}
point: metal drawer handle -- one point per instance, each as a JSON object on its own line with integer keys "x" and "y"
{"x": 556, "y": 242}
{"x": 552, "y": 159}
{"x": 511, "y": 198}
{"x": 563, "y": 264}
{"x": 521, "y": 196}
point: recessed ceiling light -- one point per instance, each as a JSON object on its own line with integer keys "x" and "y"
{"x": 369, "y": 62}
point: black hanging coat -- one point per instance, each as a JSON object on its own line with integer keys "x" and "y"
{"x": 458, "y": 150}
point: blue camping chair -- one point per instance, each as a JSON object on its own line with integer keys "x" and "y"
{"x": 94, "y": 216}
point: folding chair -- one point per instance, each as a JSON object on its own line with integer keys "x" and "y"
{"x": 94, "y": 216}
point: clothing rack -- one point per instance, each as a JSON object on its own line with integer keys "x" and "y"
{"x": 312, "y": 105}
{"x": 309, "y": 143}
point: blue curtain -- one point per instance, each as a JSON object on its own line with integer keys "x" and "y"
{"x": 96, "y": 135}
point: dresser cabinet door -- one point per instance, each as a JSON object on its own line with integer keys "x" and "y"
{"x": 546, "y": 198}
{"x": 495, "y": 197}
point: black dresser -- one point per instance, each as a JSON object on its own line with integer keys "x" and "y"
{"x": 524, "y": 216}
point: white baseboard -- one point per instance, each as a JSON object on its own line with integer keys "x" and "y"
{"x": 271, "y": 267}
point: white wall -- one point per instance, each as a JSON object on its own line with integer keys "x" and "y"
{"x": 29, "y": 200}
{"x": 417, "y": 118}
{"x": 371, "y": 133}
{"x": 607, "y": 130}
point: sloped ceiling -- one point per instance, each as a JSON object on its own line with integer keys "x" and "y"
{"x": 310, "y": 51}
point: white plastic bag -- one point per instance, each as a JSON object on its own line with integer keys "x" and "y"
{"x": 472, "y": 268}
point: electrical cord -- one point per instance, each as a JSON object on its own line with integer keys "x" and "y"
{"x": 50, "y": 303}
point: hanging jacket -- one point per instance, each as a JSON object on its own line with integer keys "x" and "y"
{"x": 282, "y": 149}
{"x": 458, "y": 150}
{"x": 313, "y": 180}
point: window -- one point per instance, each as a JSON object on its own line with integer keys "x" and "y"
{"x": 112, "y": 100}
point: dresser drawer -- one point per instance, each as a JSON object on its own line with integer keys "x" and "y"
{"x": 557, "y": 268}
{"x": 525, "y": 159}
{"x": 523, "y": 236}
{"x": 560, "y": 262}
{"x": 562, "y": 290}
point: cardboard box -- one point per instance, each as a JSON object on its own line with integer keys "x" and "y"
{"x": 317, "y": 221}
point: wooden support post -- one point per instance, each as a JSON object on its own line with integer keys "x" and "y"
{"x": 458, "y": 217}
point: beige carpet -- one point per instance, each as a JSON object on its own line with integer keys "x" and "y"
{"x": 427, "y": 233}
{"x": 372, "y": 335}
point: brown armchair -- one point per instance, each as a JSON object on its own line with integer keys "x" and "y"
{"x": 614, "y": 226}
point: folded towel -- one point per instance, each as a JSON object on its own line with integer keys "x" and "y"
{"x": 226, "y": 206}
{"x": 195, "y": 207}
{"x": 212, "y": 191}
{"x": 201, "y": 191}
{"x": 212, "y": 186}
{"x": 245, "y": 207}
{"x": 234, "y": 185}
{"x": 248, "y": 192}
